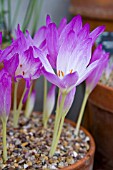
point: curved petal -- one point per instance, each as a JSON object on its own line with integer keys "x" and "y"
{"x": 84, "y": 32}
{"x": 48, "y": 20}
{"x": 96, "y": 32}
{"x": 39, "y": 37}
{"x": 62, "y": 25}
{"x": 11, "y": 65}
{"x": 52, "y": 41}
{"x": 70, "y": 80}
{"x": 87, "y": 72}
{"x": 75, "y": 24}
{"x": 65, "y": 52}
{"x": 44, "y": 61}
{"x": 53, "y": 78}
{"x": 95, "y": 75}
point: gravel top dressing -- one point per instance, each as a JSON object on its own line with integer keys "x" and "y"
{"x": 29, "y": 145}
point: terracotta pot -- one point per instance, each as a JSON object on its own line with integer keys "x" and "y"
{"x": 99, "y": 121}
{"x": 100, "y": 9}
{"x": 87, "y": 162}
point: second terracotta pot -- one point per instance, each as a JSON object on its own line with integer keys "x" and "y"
{"x": 99, "y": 121}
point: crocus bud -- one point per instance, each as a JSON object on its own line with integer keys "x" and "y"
{"x": 5, "y": 94}
{"x": 50, "y": 102}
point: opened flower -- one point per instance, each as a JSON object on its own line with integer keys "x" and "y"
{"x": 72, "y": 65}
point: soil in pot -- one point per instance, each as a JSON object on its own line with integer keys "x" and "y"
{"x": 29, "y": 146}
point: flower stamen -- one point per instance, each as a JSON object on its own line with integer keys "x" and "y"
{"x": 23, "y": 72}
{"x": 71, "y": 71}
{"x": 58, "y": 73}
{"x": 62, "y": 73}
{"x": 20, "y": 65}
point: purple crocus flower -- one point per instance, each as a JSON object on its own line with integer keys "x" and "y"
{"x": 23, "y": 66}
{"x": 95, "y": 75}
{"x": 5, "y": 94}
{"x": 56, "y": 36}
{"x": 20, "y": 56}
{"x": 72, "y": 64}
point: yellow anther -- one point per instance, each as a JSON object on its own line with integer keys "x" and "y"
{"x": 58, "y": 73}
{"x": 71, "y": 71}
{"x": 62, "y": 73}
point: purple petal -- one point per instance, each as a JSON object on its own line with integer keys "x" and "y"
{"x": 44, "y": 61}
{"x": 70, "y": 80}
{"x": 96, "y": 32}
{"x": 53, "y": 78}
{"x": 62, "y": 25}
{"x": 39, "y": 37}
{"x": 5, "y": 94}
{"x": 48, "y": 20}
{"x": 96, "y": 54}
{"x": 75, "y": 25}
{"x": 81, "y": 56}
{"x": 52, "y": 41}
{"x": 95, "y": 75}
{"x": 50, "y": 102}
{"x": 26, "y": 95}
{"x": 11, "y": 65}
{"x": 87, "y": 72}
{"x": 28, "y": 65}
{"x": 84, "y": 32}
{"x": 51, "y": 61}
{"x": 65, "y": 52}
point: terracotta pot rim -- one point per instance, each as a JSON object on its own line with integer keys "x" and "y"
{"x": 90, "y": 153}
{"x": 105, "y": 86}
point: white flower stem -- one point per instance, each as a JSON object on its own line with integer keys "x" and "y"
{"x": 4, "y": 123}
{"x": 58, "y": 126}
{"x": 19, "y": 109}
{"x": 81, "y": 113}
{"x": 27, "y": 115}
{"x": 15, "y": 101}
{"x": 44, "y": 103}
